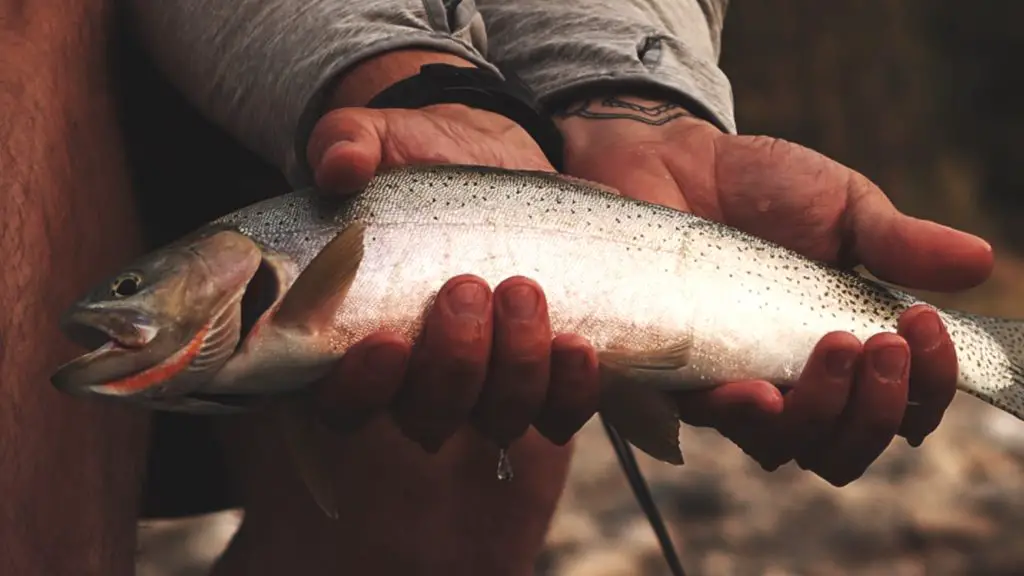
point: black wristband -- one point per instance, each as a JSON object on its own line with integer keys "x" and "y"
{"x": 480, "y": 89}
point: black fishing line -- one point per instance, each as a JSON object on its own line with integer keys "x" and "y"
{"x": 642, "y": 492}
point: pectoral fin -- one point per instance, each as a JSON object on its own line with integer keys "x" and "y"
{"x": 319, "y": 290}
{"x": 634, "y": 404}
{"x": 307, "y": 442}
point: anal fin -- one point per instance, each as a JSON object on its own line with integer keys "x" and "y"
{"x": 636, "y": 406}
{"x": 643, "y": 415}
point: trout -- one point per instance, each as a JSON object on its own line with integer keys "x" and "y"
{"x": 262, "y": 302}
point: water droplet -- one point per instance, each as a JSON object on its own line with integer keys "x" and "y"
{"x": 505, "y": 473}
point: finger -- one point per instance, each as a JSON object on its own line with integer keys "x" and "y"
{"x": 729, "y": 405}
{"x": 746, "y": 413}
{"x": 520, "y": 362}
{"x": 816, "y": 403}
{"x": 344, "y": 149}
{"x": 933, "y": 372}
{"x": 448, "y": 364}
{"x": 364, "y": 382}
{"x": 910, "y": 251}
{"x": 574, "y": 391}
{"x": 874, "y": 412}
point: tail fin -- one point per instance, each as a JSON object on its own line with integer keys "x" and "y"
{"x": 991, "y": 356}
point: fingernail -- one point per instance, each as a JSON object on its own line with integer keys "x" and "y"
{"x": 889, "y": 362}
{"x": 384, "y": 358}
{"x": 521, "y": 302}
{"x": 333, "y": 148}
{"x": 926, "y": 331}
{"x": 468, "y": 298}
{"x": 839, "y": 363}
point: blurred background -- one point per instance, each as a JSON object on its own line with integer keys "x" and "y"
{"x": 922, "y": 96}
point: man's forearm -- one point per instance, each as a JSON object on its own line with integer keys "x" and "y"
{"x": 262, "y": 69}
{"x": 570, "y": 49}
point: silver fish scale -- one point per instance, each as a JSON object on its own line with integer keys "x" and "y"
{"x": 622, "y": 273}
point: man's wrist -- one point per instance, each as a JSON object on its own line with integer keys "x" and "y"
{"x": 587, "y": 121}
{"x": 648, "y": 110}
{"x": 358, "y": 85}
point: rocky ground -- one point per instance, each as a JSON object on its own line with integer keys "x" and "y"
{"x": 952, "y": 507}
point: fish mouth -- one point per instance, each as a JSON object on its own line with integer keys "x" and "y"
{"x": 95, "y": 329}
{"x": 117, "y": 342}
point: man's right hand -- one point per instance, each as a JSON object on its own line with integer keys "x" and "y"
{"x": 485, "y": 357}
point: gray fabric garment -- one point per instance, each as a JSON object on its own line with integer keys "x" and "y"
{"x": 258, "y": 67}
{"x": 564, "y": 47}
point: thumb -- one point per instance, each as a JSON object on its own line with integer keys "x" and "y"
{"x": 345, "y": 149}
{"x": 909, "y": 251}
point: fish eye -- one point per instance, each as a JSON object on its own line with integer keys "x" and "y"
{"x": 125, "y": 285}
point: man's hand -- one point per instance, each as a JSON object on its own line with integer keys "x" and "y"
{"x": 853, "y": 396}
{"x": 485, "y": 357}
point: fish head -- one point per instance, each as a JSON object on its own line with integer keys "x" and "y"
{"x": 163, "y": 325}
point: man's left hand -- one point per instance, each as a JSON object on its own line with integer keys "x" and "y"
{"x": 853, "y": 396}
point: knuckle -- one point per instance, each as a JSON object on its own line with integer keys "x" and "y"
{"x": 464, "y": 369}
{"x": 520, "y": 375}
{"x": 458, "y": 340}
{"x": 464, "y": 347}
{"x": 524, "y": 352}
{"x": 515, "y": 386}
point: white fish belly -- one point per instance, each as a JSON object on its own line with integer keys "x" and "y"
{"x": 612, "y": 293}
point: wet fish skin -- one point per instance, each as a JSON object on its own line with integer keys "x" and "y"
{"x": 625, "y": 274}
{"x": 673, "y": 301}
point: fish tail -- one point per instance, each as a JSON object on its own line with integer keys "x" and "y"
{"x": 991, "y": 356}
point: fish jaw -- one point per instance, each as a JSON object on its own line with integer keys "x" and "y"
{"x": 169, "y": 361}
{"x": 161, "y": 374}
{"x": 121, "y": 343}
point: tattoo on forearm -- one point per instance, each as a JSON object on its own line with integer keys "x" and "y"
{"x": 613, "y": 108}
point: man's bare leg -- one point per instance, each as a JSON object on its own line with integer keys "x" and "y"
{"x": 69, "y": 470}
